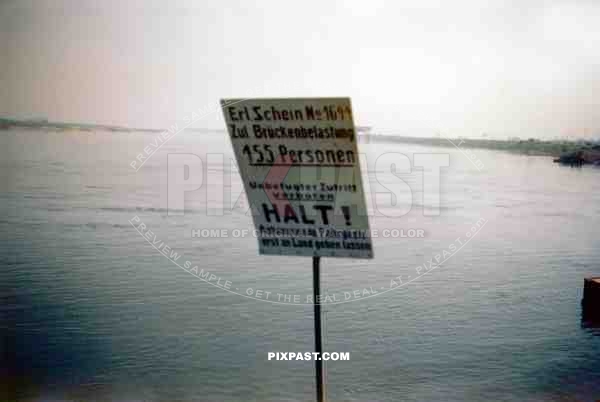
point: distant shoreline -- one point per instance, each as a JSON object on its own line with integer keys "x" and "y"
{"x": 45, "y": 124}
{"x": 42, "y": 123}
{"x": 530, "y": 147}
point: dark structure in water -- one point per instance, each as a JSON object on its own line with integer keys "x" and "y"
{"x": 573, "y": 159}
{"x": 591, "y": 299}
{"x": 581, "y": 157}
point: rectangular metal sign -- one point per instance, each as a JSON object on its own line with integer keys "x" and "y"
{"x": 299, "y": 161}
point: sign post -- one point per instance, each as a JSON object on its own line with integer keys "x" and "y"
{"x": 318, "y": 337}
{"x": 299, "y": 162}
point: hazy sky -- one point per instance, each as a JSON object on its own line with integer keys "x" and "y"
{"x": 528, "y": 68}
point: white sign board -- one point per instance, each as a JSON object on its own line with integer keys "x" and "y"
{"x": 299, "y": 162}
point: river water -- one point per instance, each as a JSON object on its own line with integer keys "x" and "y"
{"x": 92, "y": 311}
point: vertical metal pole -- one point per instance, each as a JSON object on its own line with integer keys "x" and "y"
{"x": 318, "y": 345}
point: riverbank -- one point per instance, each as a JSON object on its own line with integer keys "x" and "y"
{"x": 530, "y": 146}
